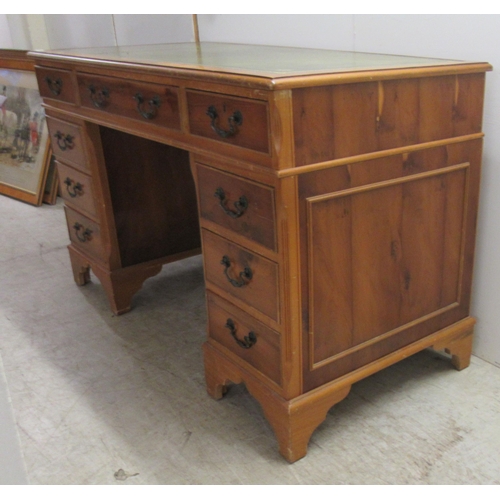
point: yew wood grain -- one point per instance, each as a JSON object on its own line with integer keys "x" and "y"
{"x": 387, "y": 114}
{"x": 387, "y": 258}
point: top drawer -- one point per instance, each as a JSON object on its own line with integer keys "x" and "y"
{"x": 233, "y": 120}
{"x": 55, "y": 84}
{"x": 67, "y": 142}
{"x": 156, "y": 104}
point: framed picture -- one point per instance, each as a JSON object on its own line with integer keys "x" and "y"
{"x": 24, "y": 144}
{"x": 52, "y": 183}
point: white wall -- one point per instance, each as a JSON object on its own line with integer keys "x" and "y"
{"x": 312, "y": 30}
{"x": 84, "y": 30}
{"x": 5, "y": 38}
{"x": 65, "y": 31}
{"x": 473, "y": 37}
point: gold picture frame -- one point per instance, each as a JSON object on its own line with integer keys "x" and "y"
{"x": 52, "y": 182}
{"x": 24, "y": 138}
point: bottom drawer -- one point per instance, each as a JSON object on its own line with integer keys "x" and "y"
{"x": 246, "y": 337}
{"x": 84, "y": 233}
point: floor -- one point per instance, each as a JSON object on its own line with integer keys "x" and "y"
{"x": 100, "y": 399}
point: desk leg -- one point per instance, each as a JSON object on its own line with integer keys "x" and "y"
{"x": 293, "y": 421}
{"x": 120, "y": 285}
{"x": 460, "y": 349}
{"x": 80, "y": 266}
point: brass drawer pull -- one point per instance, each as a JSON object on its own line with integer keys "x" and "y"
{"x": 55, "y": 86}
{"x": 99, "y": 98}
{"x": 73, "y": 188}
{"x": 64, "y": 141}
{"x": 85, "y": 235}
{"x": 248, "y": 340}
{"x": 241, "y": 205}
{"x": 245, "y": 275}
{"x": 154, "y": 104}
{"x": 235, "y": 121}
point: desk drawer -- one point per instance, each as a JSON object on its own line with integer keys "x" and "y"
{"x": 246, "y": 337}
{"x": 84, "y": 233}
{"x": 233, "y": 120}
{"x": 55, "y": 84}
{"x": 242, "y": 274}
{"x": 152, "y": 103}
{"x": 76, "y": 189}
{"x": 244, "y": 207}
{"x": 67, "y": 143}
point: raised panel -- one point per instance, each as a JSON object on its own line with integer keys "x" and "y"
{"x": 382, "y": 256}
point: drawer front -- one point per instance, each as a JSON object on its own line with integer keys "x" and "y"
{"x": 67, "y": 143}
{"x": 84, "y": 233}
{"x": 247, "y": 276}
{"x": 76, "y": 189}
{"x": 155, "y": 104}
{"x": 242, "y": 206}
{"x": 233, "y": 120}
{"x": 55, "y": 84}
{"x": 246, "y": 337}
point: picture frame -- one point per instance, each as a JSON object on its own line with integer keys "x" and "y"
{"x": 51, "y": 190}
{"x": 24, "y": 138}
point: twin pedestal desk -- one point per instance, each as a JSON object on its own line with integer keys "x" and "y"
{"x": 333, "y": 196}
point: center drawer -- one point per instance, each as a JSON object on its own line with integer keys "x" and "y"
{"x": 147, "y": 102}
{"x": 249, "y": 277}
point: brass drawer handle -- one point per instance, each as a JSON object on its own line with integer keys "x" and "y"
{"x": 99, "y": 98}
{"x": 64, "y": 141}
{"x": 85, "y": 235}
{"x": 55, "y": 86}
{"x": 73, "y": 188}
{"x": 248, "y": 340}
{"x": 154, "y": 104}
{"x": 245, "y": 275}
{"x": 235, "y": 121}
{"x": 241, "y": 205}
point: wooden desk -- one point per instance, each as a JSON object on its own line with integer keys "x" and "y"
{"x": 336, "y": 194}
